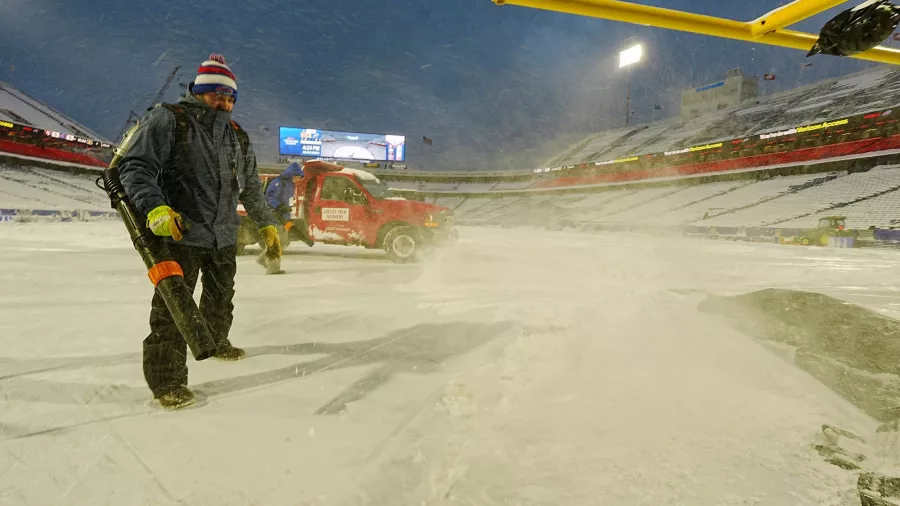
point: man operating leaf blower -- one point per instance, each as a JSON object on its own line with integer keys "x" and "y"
{"x": 186, "y": 166}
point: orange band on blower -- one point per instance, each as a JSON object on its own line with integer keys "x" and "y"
{"x": 163, "y": 270}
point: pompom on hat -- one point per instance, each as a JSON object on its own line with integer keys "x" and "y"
{"x": 214, "y": 76}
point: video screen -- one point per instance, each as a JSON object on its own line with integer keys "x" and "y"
{"x": 315, "y": 143}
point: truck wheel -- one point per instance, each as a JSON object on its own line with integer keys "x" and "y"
{"x": 402, "y": 245}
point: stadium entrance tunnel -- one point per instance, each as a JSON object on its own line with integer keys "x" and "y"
{"x": 852, "y": 350}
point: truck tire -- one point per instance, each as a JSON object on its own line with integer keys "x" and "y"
{"x": 402, "y": 245}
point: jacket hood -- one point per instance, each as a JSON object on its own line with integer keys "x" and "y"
{"x": 294, "y": 169}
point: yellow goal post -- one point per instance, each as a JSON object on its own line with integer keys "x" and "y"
{"x": 767, "y": 29}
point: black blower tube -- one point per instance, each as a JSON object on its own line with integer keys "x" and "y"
{"x": 162, "y": 268}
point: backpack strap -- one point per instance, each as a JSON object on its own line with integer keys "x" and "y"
{"x": 182, "y": 123}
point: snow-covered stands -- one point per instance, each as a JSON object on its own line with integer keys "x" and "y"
{"x": 29, "y": 215}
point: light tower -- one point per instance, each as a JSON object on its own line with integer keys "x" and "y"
{"x": 627, "y": 58}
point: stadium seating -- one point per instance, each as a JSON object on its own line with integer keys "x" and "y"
{"x": 661, "y": 209}
{"x": 449, "y": 202}
{"x": 471, "y": 206}
{"x": 475, "y": 187}
{"x": 512, "y": 185}
{"x": 33, "y": 188}
{"x": 794, "y": 204}
{"x": 870, "y": 198}
{"x": 439, "y": 187}
{"x": 491, "y": 210}
{"x": 720, "y": 209}
{"x": 881, "y": 212}
{"x": 866, "y": 91}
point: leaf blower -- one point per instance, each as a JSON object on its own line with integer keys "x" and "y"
{"x": 164, "y": 272}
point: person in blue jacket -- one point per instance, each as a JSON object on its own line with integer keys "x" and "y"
{"x": 186, "y": 166}
{"x": 278, "y": 196}
{"x": 281, "y": 189}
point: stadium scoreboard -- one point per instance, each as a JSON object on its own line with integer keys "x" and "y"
{"x": 329, "y": 144}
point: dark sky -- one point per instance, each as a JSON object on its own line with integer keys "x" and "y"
{"x": 495, "y": 87}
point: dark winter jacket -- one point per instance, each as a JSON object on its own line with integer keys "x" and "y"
{"x": 206, "y": 181}
{"x": 281, "y": 189}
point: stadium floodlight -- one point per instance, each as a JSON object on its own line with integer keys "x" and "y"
{"x": 631, "y": 55}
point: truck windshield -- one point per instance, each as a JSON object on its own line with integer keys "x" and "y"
{"x": 378, "y": 189}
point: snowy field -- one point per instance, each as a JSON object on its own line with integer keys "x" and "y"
{"x": 516, "y": 368}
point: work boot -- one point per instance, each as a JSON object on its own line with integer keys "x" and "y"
{"x": 177, "y": 398}
{"x": 272, "y": 262}
{"x": 273, "y": 266}
{"x": 230, "y": 353}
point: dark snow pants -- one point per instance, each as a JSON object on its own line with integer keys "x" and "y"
{"x": 165, "y": 350}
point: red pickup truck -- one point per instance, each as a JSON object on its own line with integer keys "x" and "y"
{"x": 337, "y": 205}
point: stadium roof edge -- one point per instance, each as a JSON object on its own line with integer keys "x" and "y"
{"x": 41, "y": 115}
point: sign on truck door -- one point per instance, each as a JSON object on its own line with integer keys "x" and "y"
{"x": 339, "y": 212}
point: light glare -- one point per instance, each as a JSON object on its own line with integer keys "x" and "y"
{"x": 631, "y": 55}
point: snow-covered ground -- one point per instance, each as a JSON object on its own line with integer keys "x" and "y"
{"x": 516, "y": 368}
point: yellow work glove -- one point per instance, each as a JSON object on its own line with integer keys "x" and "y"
{"x": 163, "y": 221}
{"x": 273, "y": 241}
